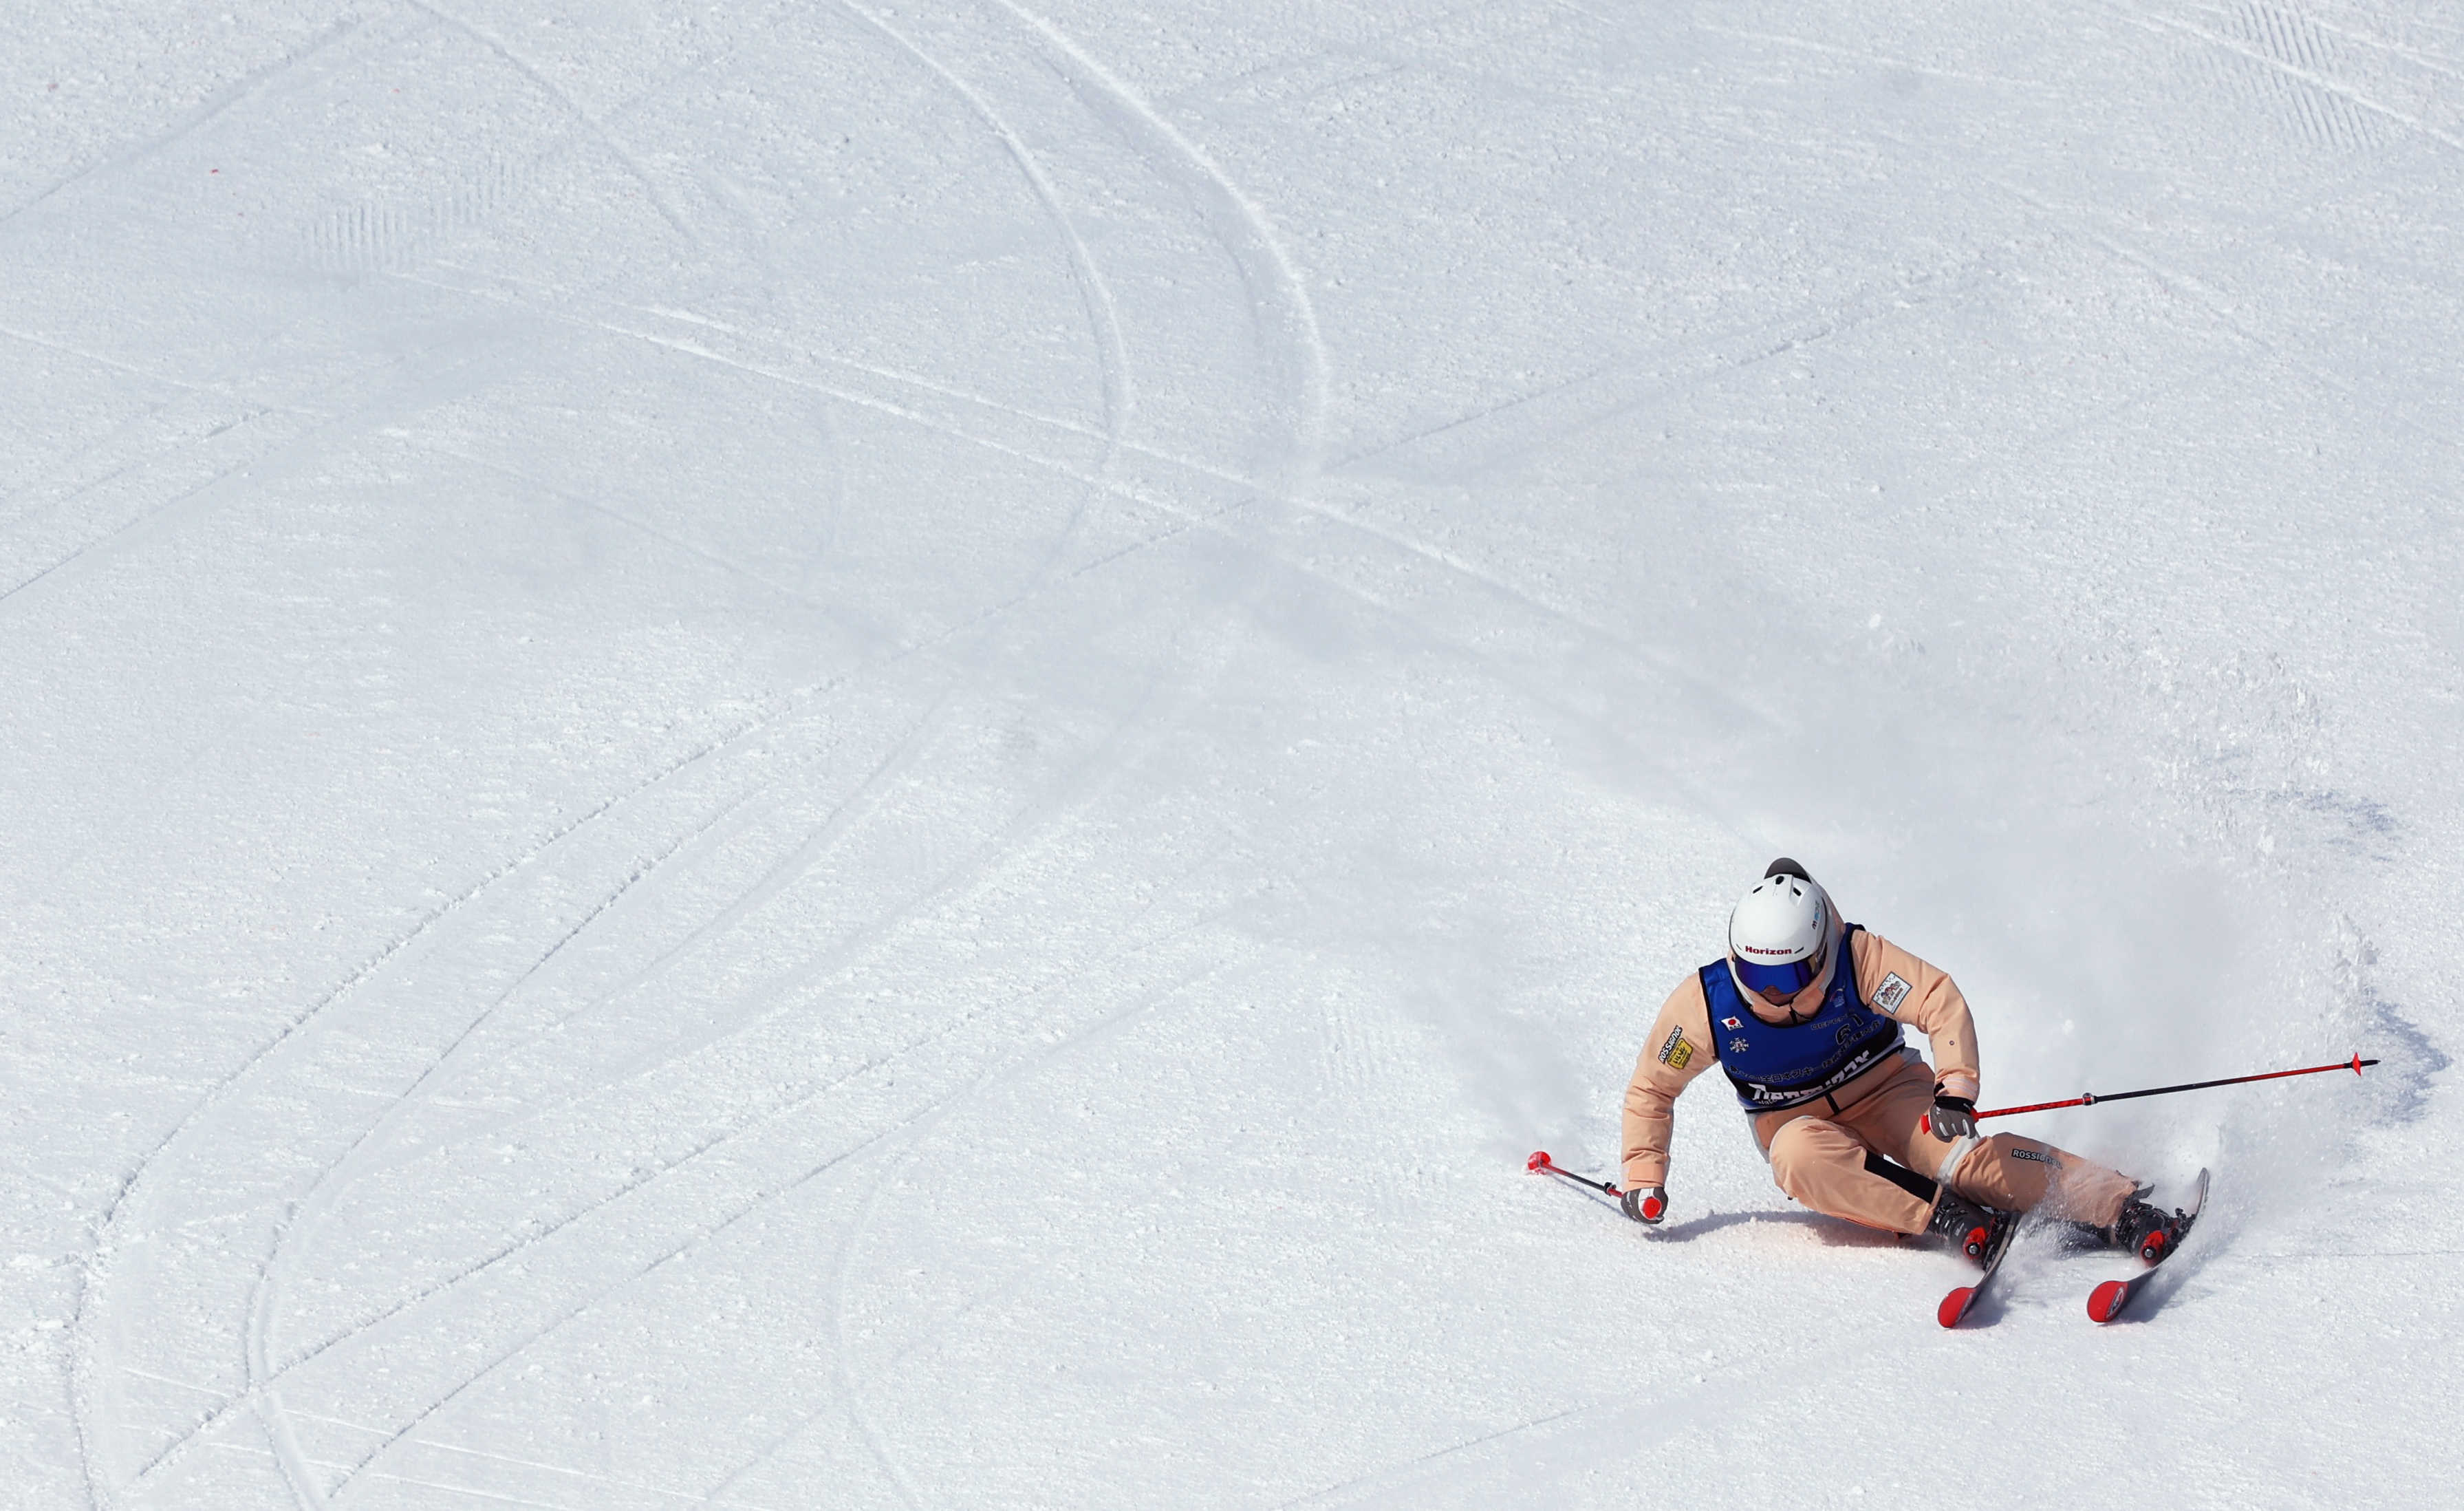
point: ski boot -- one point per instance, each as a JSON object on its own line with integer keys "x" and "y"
{"x": 1969, "y": 1228}
{"x": 2142, "y": 1227}
{"x": 2149, "y": 1231}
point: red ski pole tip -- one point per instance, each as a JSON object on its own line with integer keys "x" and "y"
{"x": 1539, "y": 1161}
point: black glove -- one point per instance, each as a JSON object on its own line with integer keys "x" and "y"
{"x": 1646, "y": 1205}
{"x": 1953, "y": 1118}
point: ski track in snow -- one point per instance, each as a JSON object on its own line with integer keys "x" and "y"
{"x": 1646, "y": 658}
{"x": 1103, "y": 318}
{"x": 418, "y": 379}
{"x": 851, "y": 1387}
{"x": 1252, "y": 490}
{"x": 306, "y": 1210}
{"x": 247, "y": 89}
{"x": 262, "y": 1378}
{"x": 1278, "y": 299}
{"x": 323, "y": 1192}
{"x": 306, "y": 1213}
{"x": 88, "y": 1348}
{"x": 2301, "y": 68}
{"x": 650, "y": 190}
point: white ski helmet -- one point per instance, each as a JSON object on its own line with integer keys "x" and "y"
{"x": 1780, "y": 934}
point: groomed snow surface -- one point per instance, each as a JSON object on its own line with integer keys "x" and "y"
{"x": 888, "y": 755}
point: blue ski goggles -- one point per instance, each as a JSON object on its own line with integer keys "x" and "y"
{"x": 1781, "y": 980}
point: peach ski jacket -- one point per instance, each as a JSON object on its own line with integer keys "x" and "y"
{"x": 1924, "y": 997}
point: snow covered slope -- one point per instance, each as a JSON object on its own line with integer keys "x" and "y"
{"x": 873, "y": 755}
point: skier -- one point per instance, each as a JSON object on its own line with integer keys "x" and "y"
{"x": 1806, "y": 1016}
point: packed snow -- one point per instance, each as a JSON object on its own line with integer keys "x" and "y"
{"x": 889, "y": 755}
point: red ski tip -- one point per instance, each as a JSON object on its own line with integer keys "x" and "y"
{"x": 2106, "y": 1299}
{"x": 1539, "y": 1161}
{"x": 1955, "y": 1306}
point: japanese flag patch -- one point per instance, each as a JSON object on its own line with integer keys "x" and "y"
{"x": 1890, "y": 995}
{"x": 1732, "y": 1023}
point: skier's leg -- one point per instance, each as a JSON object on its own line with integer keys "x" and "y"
{"x": 1891, "y": 1120}
{"x": 2006, "y": 1170}
{"x": 2018, "y": 1174}
{"x": 1824, "y": 1165}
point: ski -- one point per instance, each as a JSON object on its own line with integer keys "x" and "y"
{"x": 2107, "y": 1302}
{"x": 1956, "y": 1305}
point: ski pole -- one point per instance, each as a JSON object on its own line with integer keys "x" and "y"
{"x": 2090, "y": 1099}
{"x": 1541, "y": 1162}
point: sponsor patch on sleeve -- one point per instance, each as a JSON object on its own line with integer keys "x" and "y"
{"x": 1890, "y": 995}
{"x": 1677, "y": 1050}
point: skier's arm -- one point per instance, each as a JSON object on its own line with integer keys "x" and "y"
{"x": 1678, "y": 1050}
{"x": 1924, "y": 997}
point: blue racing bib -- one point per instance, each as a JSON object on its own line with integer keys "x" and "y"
{"x": 1787, "y": 1065}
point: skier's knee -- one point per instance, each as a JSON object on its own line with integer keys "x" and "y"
{"x": 1793, "y": 1149}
